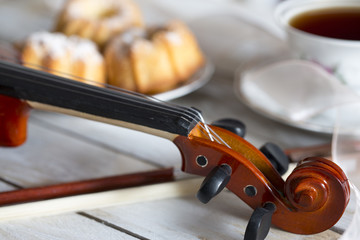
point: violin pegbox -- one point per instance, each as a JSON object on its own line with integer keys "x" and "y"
{"x": 274, "y": 153}
{"x": 219, "y": 176}
{"x": 312, "y": 199}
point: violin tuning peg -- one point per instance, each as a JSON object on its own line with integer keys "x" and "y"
{"x": 260, "y": 222}
{"x": 276, "y": 156}
{"x": 214, "y": 183}
{"x": 232, "y": 125}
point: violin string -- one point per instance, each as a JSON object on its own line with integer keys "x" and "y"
{"x": 111, "y": 93}
{"x": 36, "y": 66}
{"x": 204, "y": 126}
{"x": 174, "y": 108}
{"x": 221, "y": 141}
{"x": 134, "y": 103}
{"x": 165, "y": 103}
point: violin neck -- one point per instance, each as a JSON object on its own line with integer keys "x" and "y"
{"x": 46, "y": 91}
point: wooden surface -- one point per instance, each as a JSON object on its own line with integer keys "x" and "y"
{"x": 62, "y": 148}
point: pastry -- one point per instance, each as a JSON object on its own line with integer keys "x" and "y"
{"x": 70, "y": 57}
{"x": 153, "y": 60}
{"x": 98, "y": 20}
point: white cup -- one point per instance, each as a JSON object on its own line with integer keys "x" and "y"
{"x": 341, "y": 57}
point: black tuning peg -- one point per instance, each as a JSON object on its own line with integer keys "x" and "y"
{"x": 260, "y": 222}
{"x": 231, "y": 125}
{"x": 276, "y": 156}
{"x": 214, "y": 182}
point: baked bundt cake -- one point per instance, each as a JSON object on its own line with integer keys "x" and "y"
{"x": 153, "y": 60}
{"x": 70, "y": 57}
{"x": 98, "y": 20}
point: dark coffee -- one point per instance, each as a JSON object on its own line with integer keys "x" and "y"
{"x": 341, "y": 23}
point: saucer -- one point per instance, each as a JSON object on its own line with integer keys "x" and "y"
{"x": 295, "y": 92}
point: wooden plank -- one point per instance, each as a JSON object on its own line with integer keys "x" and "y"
{"x": 68, "y": 226}
{"x": 64, "y": 226}
{"x": 348, "y": 215}
{"x": 153, "y": 149}
{"x": 6, "y": 187}
{"x": 225, "y": 217}
{"x": 50, "y": 157}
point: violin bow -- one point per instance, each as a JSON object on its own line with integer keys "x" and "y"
{"x": 311, "y": 200}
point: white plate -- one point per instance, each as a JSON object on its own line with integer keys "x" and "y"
{"x": 199, "y": 79}
{"x": 196, "y": 81}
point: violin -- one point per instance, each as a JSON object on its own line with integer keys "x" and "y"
{"x": 311, "y": 200}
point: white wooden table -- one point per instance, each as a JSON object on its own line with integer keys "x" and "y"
{"x": 62, "y": 148}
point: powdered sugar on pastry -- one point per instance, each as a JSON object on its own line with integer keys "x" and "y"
{"x": 51, "y": 44}
{"x": 83, "y": 49}
{"x": 71, "y": 57}
{"x": 58, "y": 45}
{"x": 98, "y": 20}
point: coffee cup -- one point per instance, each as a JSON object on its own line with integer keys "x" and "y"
{"x": 338, "y": 54}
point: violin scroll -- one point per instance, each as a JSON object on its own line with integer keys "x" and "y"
{"x": 317, "y": 183}
{"x": 318, "y": 192}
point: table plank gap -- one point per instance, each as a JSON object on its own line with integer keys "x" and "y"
{"x": 111, "y": 225}
{"x": 10, "y": 183}
{"x": 337, "y": 230}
